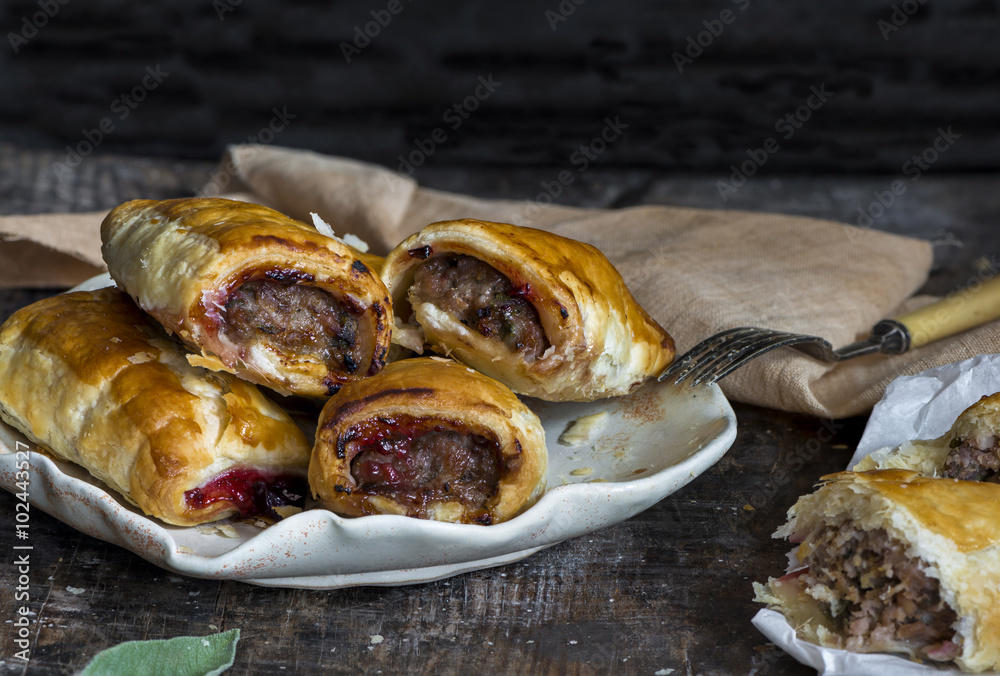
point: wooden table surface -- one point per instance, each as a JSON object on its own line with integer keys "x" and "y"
{"x": 669, "y": 589}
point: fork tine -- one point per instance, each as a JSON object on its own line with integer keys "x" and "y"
{"x": 787, "y": 341}
{"x": 741, "y": 349}
{"x": 720, "y": 354}
{"x": 729, "y": 362}
{"x": 691, "y": 359}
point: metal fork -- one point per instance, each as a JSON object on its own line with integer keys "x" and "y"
{"x": 718, "y": 356}
{"x": 725, "y": 352}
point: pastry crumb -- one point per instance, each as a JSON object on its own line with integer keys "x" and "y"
{"x": 141, "y": 358}
{"x": 322, "y": 226}
{"x": 229, "y": 531}
{"x": 75, "y": 590}
{"x": 223, "y": 529}
{"x": 355, "y": 242}
{"x": 285, "y": 511}
{"x": 182, "y": 549}
{"x": 582, "y": 471}
{"x": 582, "y": 429}
{"x": 376, "y": 639}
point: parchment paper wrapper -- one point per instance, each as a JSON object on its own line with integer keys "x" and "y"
{"x": 695, "y": 271}
{"x": 922, "y": 406}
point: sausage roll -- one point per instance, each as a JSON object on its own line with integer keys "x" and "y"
{"x": 970, "y": 450}
{"x": 428, "y": 438}
{"x": 256, "y": 293}
{"x": 548, "y": 316}
{"x": 890, "y": 561}
{"x": 87, "y": 377}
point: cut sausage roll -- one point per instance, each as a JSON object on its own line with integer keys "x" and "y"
{"x": 890, "y": 561}
{"x": 428, "y": 438}
{"x": 253, "y": 291}
{"x": 548, "y": 316}
{"x": 87, "y": 377}
{"x": 970, "y": 450}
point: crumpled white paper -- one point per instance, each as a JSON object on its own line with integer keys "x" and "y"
{"x": 833, "y": 662}
{"x": 925, "y": 405}
{"x": 922, "y": 406}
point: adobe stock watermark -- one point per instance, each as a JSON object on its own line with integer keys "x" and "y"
{"x": 262, "y": 137}
{"x": 363, "y": 35}
{"x": 581, "y": 158}
{"x": 956, "y": 299}
{"x": 47, "y": 10}
{"x": 22, "y": 552}
{"x": 224, "y": 7}
{"x": 122, "y": 107}
{"x": 913, "y": 168}
{"x": 786, "y": 126}
{"x": 901, "y": 13}
{"x": 562, "y": 12}
{"x": 453, "y": 118}
{"x": 698, "y": 43}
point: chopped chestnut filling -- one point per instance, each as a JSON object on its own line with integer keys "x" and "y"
{"x": 422, "y": 460}
{"x": 254, "y": 493}
{"x": 481, "y": 298}
{"x": 876, "y": 595}
{"x": 295, "y": 319}
{"x": 972, "y": 461}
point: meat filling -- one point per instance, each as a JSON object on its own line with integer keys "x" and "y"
{"x": 483, "y": 299}
{"x": 295, "y": 319}
{"x": 876, "y": 595}
{"x": 972, "y": 461}
{"x": 424, "y": 461}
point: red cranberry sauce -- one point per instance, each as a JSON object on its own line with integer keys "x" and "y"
{"x": 419, "y": 460}
{"x": 253, "y": 492}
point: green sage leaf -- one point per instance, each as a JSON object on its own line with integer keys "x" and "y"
{"x": 182, "y": 656}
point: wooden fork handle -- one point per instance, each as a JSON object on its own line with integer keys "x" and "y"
{"x": 975, "y": 305}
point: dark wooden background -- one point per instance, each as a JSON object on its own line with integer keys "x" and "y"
{"x": 231, "y": 62}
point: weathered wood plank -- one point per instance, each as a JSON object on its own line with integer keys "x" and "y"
{"x": 563, "y": 66}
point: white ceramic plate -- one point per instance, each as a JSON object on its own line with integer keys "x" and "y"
{"x": 651, "y": 443}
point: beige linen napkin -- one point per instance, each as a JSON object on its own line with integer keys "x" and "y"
{"x": 695, "y": 271}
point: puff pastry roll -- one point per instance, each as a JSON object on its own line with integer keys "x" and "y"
{"x": 428, "y": 438}
{"x": 970, "y": 450}
{"x": 890, "y": 561}
{"x": 254, "y": 292}
{"x": 548, "y": 316}
{"x": 87, "y": 377}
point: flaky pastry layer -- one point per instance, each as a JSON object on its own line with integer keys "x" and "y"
{"x": 602, "y": 343}
{"x": 183, "y": 260}
{"x": 437, "y": 393}
{"x": 87, "y": 377}
{"x": 950, "y": 525}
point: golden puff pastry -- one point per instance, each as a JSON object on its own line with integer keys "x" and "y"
{"x": 256, "y": 293}
{"x": 428, "y": 438}
{"x": 970, "y": 450}
{"x": 891, "y": 561}
{"x": 86, "y": 376}
{"x": 548, "y": 316}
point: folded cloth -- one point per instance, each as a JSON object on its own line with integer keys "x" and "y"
{"x": 696, "y": 271}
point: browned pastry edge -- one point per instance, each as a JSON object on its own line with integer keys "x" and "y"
{"x": 440, "y": 390}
